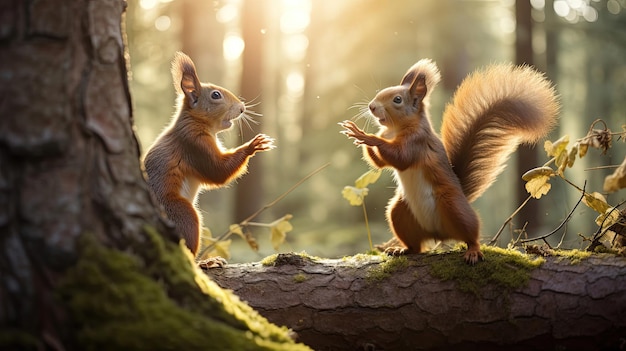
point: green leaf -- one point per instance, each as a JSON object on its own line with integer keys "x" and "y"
{"x": 354, "y": 195}
{"x": 369, "y": 177}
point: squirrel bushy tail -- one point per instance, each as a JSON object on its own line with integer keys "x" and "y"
{"x": 492, "y": 112}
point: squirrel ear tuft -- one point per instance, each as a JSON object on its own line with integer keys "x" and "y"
{"x": 185, "y": 78}
{"x": 421, "y": 77}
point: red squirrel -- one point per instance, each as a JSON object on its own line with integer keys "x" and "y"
{"x": 187, "y": 156}
{"x": 492, "y": 112}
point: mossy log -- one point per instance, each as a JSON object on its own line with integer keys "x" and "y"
{"x": 437, "y": 302}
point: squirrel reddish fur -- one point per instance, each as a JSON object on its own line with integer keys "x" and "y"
{"x": 492, "y": 112}
{"x": 188, "y": 156}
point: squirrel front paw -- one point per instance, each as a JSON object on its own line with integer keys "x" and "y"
{"x": 360, "y": 137}
{"x": 261, "y": 142}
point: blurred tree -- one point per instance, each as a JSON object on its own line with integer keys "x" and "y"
{"x": 526, "y": 156}
{"x": 249, "y": 189}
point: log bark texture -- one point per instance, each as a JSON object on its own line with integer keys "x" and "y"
{"x": 334, "y": 305}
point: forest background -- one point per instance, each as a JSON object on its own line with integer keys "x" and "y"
{"x": 308, "y": 62}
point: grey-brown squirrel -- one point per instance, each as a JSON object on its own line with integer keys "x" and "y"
{"x": 188, "y": 156}
{"x": 492, "y": 112}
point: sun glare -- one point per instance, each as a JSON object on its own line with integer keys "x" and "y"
{"x": 296, "y": 16}
{"x": 233, "y": 46}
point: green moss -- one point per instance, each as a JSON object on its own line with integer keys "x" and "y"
{"x": 292, "y": 258}
{"x": 575, "y": 256}
{"x": 363, "y": 257}
{"x": 269, "y": 260}
{"x": 300, "y": 278}
{"x": 384, "y": 269}
{"x": 507, "y": 269}
{"x": 157, "y": 301}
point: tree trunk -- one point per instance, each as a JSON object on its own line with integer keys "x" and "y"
{"x": 249, "y": 189}
{"x": 526, "y": 156}
{"x": 82, "y": 263}
{"x": 361, "y": 303}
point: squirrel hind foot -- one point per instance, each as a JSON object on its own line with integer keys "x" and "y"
{"x": 396, "y": 251}
{"x": 212, "y": 262}
{"x": 473, "y": 255}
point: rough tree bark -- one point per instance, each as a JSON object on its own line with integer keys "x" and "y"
{"x": 344, "y": 305}
{"x": 82, "y": 262}
{"x": 68, "y": 156}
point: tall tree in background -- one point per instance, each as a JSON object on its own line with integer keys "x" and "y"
{"x": 526, "y": 156}
{"x": 249, "y": 189}
{"x": 82, "y": 263}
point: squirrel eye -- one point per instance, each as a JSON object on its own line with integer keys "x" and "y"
{"x": 216, "y": 95}
{"x": 397, "y": 99}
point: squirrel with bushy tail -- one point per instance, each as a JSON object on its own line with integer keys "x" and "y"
{"x": 492, "y": 112}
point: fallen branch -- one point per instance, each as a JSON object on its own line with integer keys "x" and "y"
{"x": 341, "y": 304}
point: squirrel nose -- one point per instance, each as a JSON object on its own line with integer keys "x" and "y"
{"x": 372, "y": 107}
{"x": 242, "y": 109}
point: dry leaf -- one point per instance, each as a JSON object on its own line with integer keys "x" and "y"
{"x": 279, "y": 230}
{"x": 538, "y": 186}
{"x": 617, "y": 180}
{"x": 536, "y": 172}
{"x": 561, "y": 161}
{"x": 608, "y": 218}
{"x": 220, "y": 248}
{"x": 572, "y": 156}
{"x": 554, "y": 149}
{"x": 582, "y": 150}
{"x": 596, "y": 202}
{"x": 236, "y": 229}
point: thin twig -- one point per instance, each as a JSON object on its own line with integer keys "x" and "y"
{"x": 521, "y": 232}
{"x": 248, "y": 220}
{"x": 562, "y": 238}
{"x": 601, "y": 167}
{"x": 367, "y": 225}
{"x": 508, "y": 220}
{"x": 562, "y": 223}
{"x": 283, "y": 195}
{"x": 599, "y": 233}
